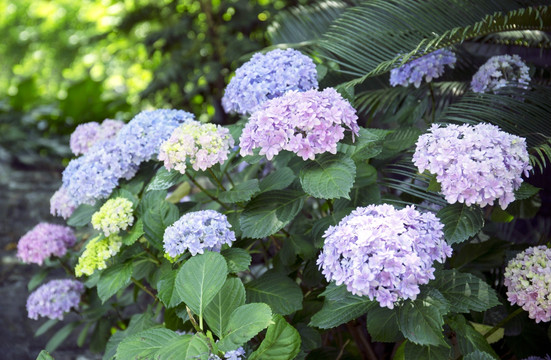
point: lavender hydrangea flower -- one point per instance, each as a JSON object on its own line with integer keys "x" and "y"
{"x": 528, "y": 281}
{"x": 499, "y": 71}
{"x": 230, "y": 355}
{"x": 61, "y": 204}
{"x": 114, "y": 216}
{"x": 474, "y": 164}
{"x": 384, "y": 253}
{"x": 43, "y": 241}
{"x": 54, "y": 299}
{"x": 198, "y": 231}
{"x": 429, "y": 66}
{"x": 203, "y": 145}
{"x": 306, "y": 123}
{"x": 266, "y": 77}
{"x": 547, "y": 357}
{"x": 86, "y": 135}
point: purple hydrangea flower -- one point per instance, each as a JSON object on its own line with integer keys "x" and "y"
{"x": 306, "y": 123}
{"x": 499, "y": 71}
{"x": 198, "y": 231}
{"x": 86, "y": 135}
{"x": 528, "y": 281}
{"x": 429, "y": 66}
{"x": 384, "y": 253}
{"x": 54, "y": 298}
{"x": 62, "y": 204}
{"x": 110, "y": 128}
{"x": 547, "y": 357}
{"x": 473, "y": 164}
{"x": 267, "y": 76}
{"x": 43, "y": 241}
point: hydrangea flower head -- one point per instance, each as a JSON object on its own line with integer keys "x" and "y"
{"x": 267, "y": 76}
{"x": 528, "y": 281}
{"x": 198, "y": 231}
{"x": 43, "y": 241}
{"x": 96, "y": 254}
{"x": 115, "y": 215}
{"x": 88, "y": 134}
{"x": 230, "y": 355}
{"x": 498, "y": 72}
{"x": 473, "y": 164}
{"x": 54, "y": 299}
{"x": 61, "y": 204}
{"x": 429, "y": 66}
{"x": 202, "y": 144}
{"x": 306, "y": 123}
{"x": 384, "y": 253}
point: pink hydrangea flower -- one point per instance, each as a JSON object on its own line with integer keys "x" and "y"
{"x": 43, "y": 241}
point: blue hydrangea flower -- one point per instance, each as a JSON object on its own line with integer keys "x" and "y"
{"x": 198, "y": 231}
{"x": 267, "y": 76}
{"x": 499, "y": 71}
{"x": 54, "y": 298}
{"x": 430, "y": 66}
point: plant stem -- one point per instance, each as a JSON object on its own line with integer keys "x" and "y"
{"x": 216, "y": 179}
{"x": 141, "y": 286}
{"x": 206, "y": 192}
{"x": 153, "y": 257}
{"x": 342, "y": 350}
{"x": 503, "y": 322}
{"x": 192, "y": 319}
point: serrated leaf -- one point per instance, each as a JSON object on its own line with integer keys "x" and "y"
{"x": 218, "y": 311}
{"x": 82, "y": 215}
{"x": 113, "y": 279}
{"x": 185, "y": 347}
{"x": 417, "y": 352}
{"x": 367, "y": 145}
{"x": 164, "y": 179}
{"x": 237, "y": 259}
{"x": 382, "y": 324}
{"x": 465, "y": 292}
{"x": 468, "y": 339}
{"x": 421, "y": 320}
{"x": 526, "y": 191}
{"x": 44, "y": 355}
{"x": 134, "y": 234}
{"x": 269, "y": 212}
{"x": 478, "y": 355}
{"x": 145, "y": 344}
{"x": 328, "y": 176}
{"x": 277, "y": 290}
{"x": 241, "y": 192}
{"x": 166, "y": 287}
{"x": 157, "y": 215}
{"x": 277, "y": 180}
{"x": 282, "y": 342}
{"x": 339, "y": 307}
{"x": 138, "y": 323}
{"x": 460, "y": 221}
{"x": 200, "y": 279}
{"x": 245, "y": 322}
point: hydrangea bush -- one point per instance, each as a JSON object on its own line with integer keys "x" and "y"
{"x": 334, "y": 217}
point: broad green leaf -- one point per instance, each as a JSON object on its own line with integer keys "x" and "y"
{"x": 200, "y": 279}
{"x": 430, "y": 352}
{"x": 501, "y": 216}
{"x": 282, "y": 342}
{"x": 138, "y": 323}
{"x": 328, "y": 176}
{"x": 185, "y": 347}
{"x": 367, "y": 144}
{"x": 483, "y": 329}
{"x": 44, "y": 355}
{"x": 145, "y": 344}
{"x": 468, "y": 339}
{"x": 464, "y": 292}
{"x": 218, "y": 311}
{"x": 277, "y": 180}
{"x": 460, "y": 221}
{"x": 526, "y": 191}
{"x": 478, "y": 355}
{"x": 164, "y": 179}
{"x": 60, "y": 336}
{"x": 269, "y": 212}
{"x": 166, "y": 287}
{"x": 237, "y": 259}
{"x": 134, "y": 234}
{"x": 245, "y": 322}
{"x": 310, "y": 337}
{"x": 241, "y": 192}
{"x": 277, "y": 290}
{"x": 82, "y": 215}
{"x": 157, "y": 215}
{"x": 113, "y": 279}
{"x": 421, "y": 320}
{"x": 398, "y": 141}
{"x": 382, "y": 324}
{"x": 339, "y": 307}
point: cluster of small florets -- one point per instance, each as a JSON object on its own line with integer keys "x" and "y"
{"x": 384, "y": 253}
{"x": 43, "y": 241}
{"x": 474, "y": 164}
{"x": 547, "y": 357}
{"x": 96, "y": 254}
{"x": 306, "y": 123}
{"x": 62, "y": 204}
{"x": 203, "y": 145}
{"x": 430, "y": 66}
{"x": 86, "y": 135}
{"x": 198, "y": 231}
{"x": 230, "y": 355}
{"x": 268, "y": 76}
{"x": 500, "y": 71}
{"x": 528, "y": 281}
{"x": 114, "y": 216}
{"x": 54, "y": 298}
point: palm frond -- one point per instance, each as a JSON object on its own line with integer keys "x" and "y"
{"x": 524, "y": 38}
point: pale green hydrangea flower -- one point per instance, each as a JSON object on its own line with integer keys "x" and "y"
{"x": 97, "y": 252}
{"x": 115, "y": 215}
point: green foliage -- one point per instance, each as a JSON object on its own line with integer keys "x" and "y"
{"x": 277, "y": 290}
{"x": 460, "y": 221}
{"x": 328, "y": 176}
{"x": 229, "y": 298}
{"x": 282, "y": 342}
{"x": 113, "y": 279}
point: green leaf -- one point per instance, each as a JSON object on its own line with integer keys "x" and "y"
{"x": 45, "y": 327}
{"x": 398, "y": 141}
{"x": 277, "y": 290}
{"x": 165, "y": 179}
{"x": 339, "y": 307}
{"x": 157, "y": 215}
{"x": 237, "y": 259}
{"x": 218, "y": 311}
{"x": 134, "y": 234}
{"x": 145, "y": 344}
{"x": 138, "y": 323}
{"x": 464, "y": 292}
{"x": 37, "y": 279}
{"x": 367, "y": 145}
{"x": 166, "y": 286}
{"x": 328, "y": 176}
{"x": 460, "y": 221}
{"x": 185, "y": 347}
{"x": 277, "y": 180}
{"x": 382, "y": 324}
{"x": 468, "y": 339}
{"x": 417, "y": 352}
{"x": 282, "y": 342}
{"x": 113, "y": 279}
{"x": 526, "y": 191}
{"x": 478, "y": 355}
{"x": 44, "y": 355}
{"x": 245, "y": 322}
{"x": 200, "y": 279}
{"x": 240, "y": 192}
{"x": 82, "y": 215}
{"x": 321, "y": 225}
{"x": 421, "y": 320}
{"x": 434, "y": 185}
{"x": 269, "y": 212}
{"x": 483, "y": 329}
{"x": 60, "y": 336}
